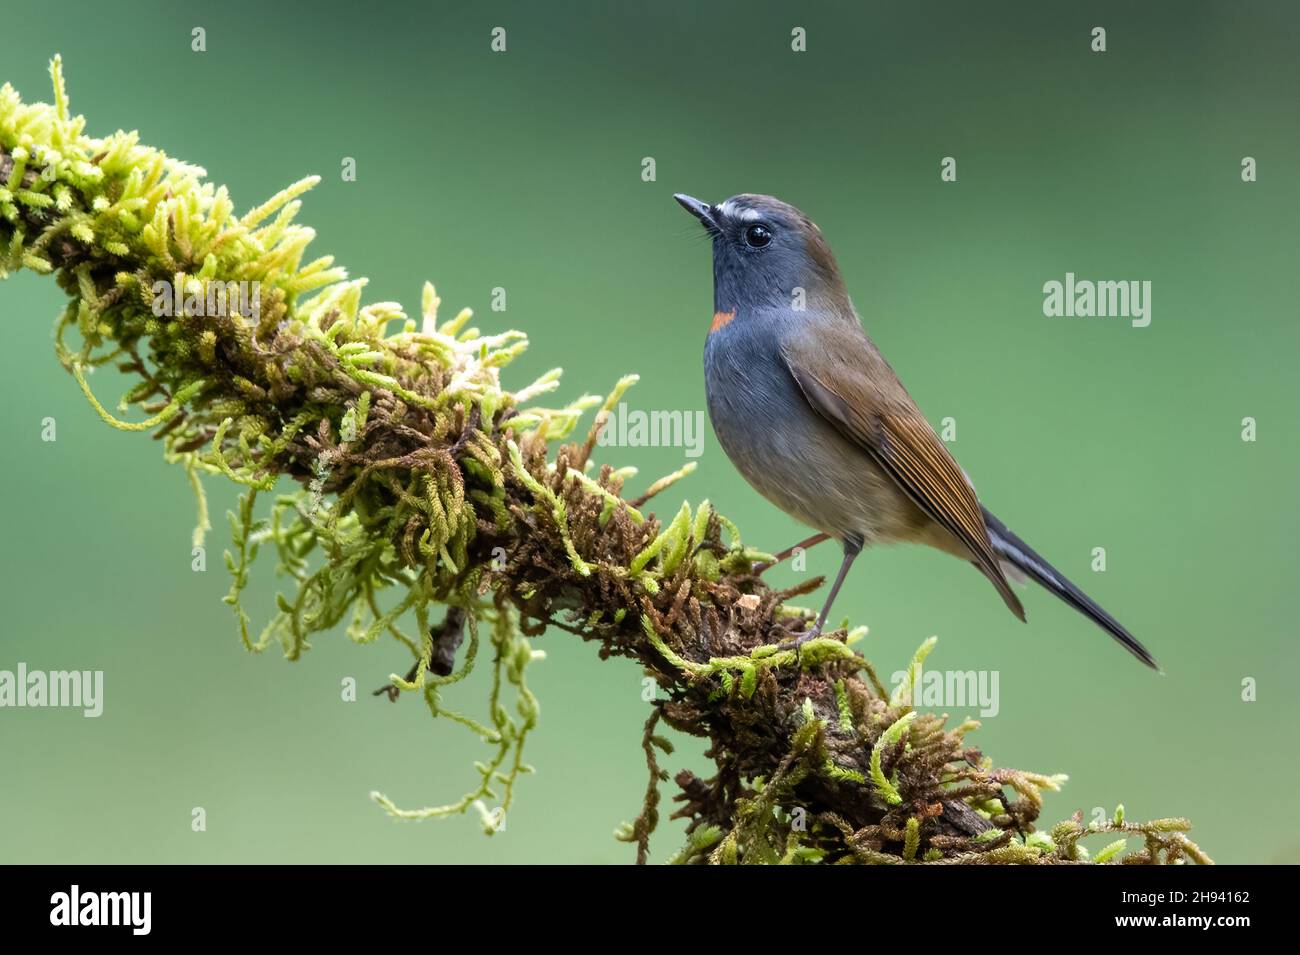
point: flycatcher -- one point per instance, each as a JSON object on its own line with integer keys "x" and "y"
{"x": 815, "y": 419}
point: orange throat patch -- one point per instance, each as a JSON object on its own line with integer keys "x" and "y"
{"x": 720, "y": 319}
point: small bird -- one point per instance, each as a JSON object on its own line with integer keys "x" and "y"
{"x": 815, "y": 419}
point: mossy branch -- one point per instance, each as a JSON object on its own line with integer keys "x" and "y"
{"x": 413, "y": 479}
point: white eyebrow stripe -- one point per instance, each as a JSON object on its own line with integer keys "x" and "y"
{"x": 732, "y": 211}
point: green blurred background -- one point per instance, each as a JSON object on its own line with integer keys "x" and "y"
{"x": 523, "y": 170}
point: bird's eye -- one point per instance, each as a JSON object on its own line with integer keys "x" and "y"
{"x": 757, "y": 236}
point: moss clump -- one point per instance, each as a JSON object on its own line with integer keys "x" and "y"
{"x": 411, "y": 479}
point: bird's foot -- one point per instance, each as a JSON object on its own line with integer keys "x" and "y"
{"x": 797, "y": 643}
{"x": 807, "y": 635}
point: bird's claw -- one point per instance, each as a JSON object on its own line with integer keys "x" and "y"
{"x": 797, "y": 643}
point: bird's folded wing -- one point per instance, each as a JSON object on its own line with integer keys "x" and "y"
{"x": 889, "y": 427}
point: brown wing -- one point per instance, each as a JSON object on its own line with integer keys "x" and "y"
{"x": 857, "y": 392}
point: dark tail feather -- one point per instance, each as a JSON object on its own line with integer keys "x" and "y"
{"x": 1015, "y": 551}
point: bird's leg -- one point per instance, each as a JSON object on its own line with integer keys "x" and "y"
{"x": 852, "y": 548}
{"x": 785, "y": 554}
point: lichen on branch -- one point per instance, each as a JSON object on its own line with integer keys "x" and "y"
{"x": 397, "y": 479}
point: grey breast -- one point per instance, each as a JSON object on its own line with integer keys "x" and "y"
{"x": 788, "y": 452}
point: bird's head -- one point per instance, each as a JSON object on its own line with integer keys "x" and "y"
{"x": 766, "y": 253}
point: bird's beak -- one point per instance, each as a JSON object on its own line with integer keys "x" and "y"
{"x": 701, "y": 210}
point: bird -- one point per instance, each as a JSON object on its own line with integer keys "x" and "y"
{"x": 815, "y": 419}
